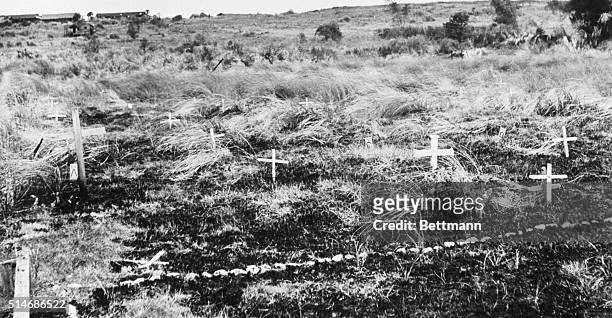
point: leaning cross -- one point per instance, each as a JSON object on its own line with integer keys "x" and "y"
{"x": 565, "y": 139}
{"x": 274, "y": 161}
{"x": 434, "y": 152}
{"x": 212, "y": 137}
{"x": 78, "y": 134}
{"x": 549, "y": 178}
{"x": 170, "y": 120}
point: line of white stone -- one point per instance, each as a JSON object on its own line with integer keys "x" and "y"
{"x": 278, "y": 267}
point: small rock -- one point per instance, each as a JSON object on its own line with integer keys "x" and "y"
{"x": 566, "y": 225}
{"x": 401, "y": 250}
{"x": 310, "y": 263}
{"x": 449, "y": 244}
{"x": 349, "y": 257}
{"x": 252, "y": 269}
{"x": 414, "y": 250}
{"x": 363, "y": 255}
{"x": 540, "y": 227}
{"x": 191, "y": 276}
{"x": 264, "y": 268}
{"x": 280, "y": 266}
{"x": 427, "y": 250}
{"x": 206, "y": 275}
{"x": 238, "y": 271}
{"x": 220, "y": 272}
{"x": 484, "y": 239}
{"x": 338, "y": 258}
{"x": 608, "y": 220}
{"x": 437, "y": 248}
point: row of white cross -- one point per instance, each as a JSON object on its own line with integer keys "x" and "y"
{"x": 434, "y": 152}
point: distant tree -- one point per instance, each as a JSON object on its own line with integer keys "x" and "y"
{"x": 505, "y": 11}
{"x": 457, "y": 26}
{"x": 177, "y": 18}
{"x": 594, "y": 17}
{"x": 89, "y": 15}
{"x": 133, "y": 29}
{"x": 394, "y": 7}
{"x": 76, "y": 18}
{"x": 329, "y": 31}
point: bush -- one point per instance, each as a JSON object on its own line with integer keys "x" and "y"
{"x": 457, "y": 26}
{"x": 177, "y": 18}
{"x": 302, "y": 38}
{"x": 556, "y": 6}
{"x": 448, "y": 46}
{"x": 430, "y": 32}
{"x": 43, "y": 68}
{"x": 594, "y": 17}
{"x": 322, "y": 53}
{"x": 417, "y": 44}
{"x": 506, "y": 12}
{"x": 113, "y": 36}
{"x": 158, "y": 22}
{"x": 133, "y": 29}
{"x": 92, "y": 46}
{"x": 329, "y": 31}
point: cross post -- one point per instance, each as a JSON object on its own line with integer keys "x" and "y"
{"x": 564, "y": 140}
{"x": 274, "y": 161}
{"x": 170, "y": 120}
{"x": 212, "y": 137}
{"x": 434, "y": 152}
{"x": 549, "y": 177}
{"x": 306, "y": 102}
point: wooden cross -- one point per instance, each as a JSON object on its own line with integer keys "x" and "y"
{"x": 274, "y": 161}
{"x": 564, "y": 140}
{"x": 306, "y": 102}
{"x": 212, "y": 137}
{"x": 434, "y": 152}
{"x": 170, "y": 120}
{"x": 57, "y": 115}
{"x": 549, "y": 177}
{"x": 79, "y": 134}
{"x": 22, "y": 280}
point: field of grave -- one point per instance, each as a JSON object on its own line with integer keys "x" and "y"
{"x": 185, "y": 216}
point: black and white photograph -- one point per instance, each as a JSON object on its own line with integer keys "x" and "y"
{"x": 321, "y": 158}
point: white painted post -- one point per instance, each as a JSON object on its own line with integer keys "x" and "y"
{"x": 212, "y": 137}
{"x": 22, "y": 279}
{"x": 306, "y": 102}
{"x": 80, "y": 151}
{"x": 434, "y": 152}
{"x": 564, "y": 140}
{"x": 274, "y": 162}
{"x": 170, "y": 120}
{"x": 549, "y": 177}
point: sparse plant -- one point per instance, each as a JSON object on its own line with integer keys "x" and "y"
{"x": 133, "y": 29}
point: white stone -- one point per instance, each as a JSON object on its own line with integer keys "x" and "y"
{"x": 449, "y": 244}
{"x": 220, "y": 272}
{"x": 349, "y": 257}
{"x": 206, "y": 275}
{"x": 191, "y": 276}
{"x": 238, "y": 271}
{"x": 338, "y": 258}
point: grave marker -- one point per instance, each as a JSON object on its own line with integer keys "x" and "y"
{"x": 434, "y": 152}
{"x": 78, "y": 134}
{"x": 74, "y": 172}
{"x": 502, "y": 132}
{"x": 369, "y": 142}
{"x": 274, "y": 161}
{"x": 57, "y": 115}
{"x": 22, "y": 279}
{"x": 212, "y": 137}
{"x": 306, "y": 102}
{"x": 549, "y": 177}
{"x": 170, "y": 120}
{"x": 564, "y": 140}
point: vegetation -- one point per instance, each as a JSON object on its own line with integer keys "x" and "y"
{"x": 592, "y": 17}
{"x": 329, "y": 31}
{"x": 266, "y": 84}
{"x": 506, "y": 12}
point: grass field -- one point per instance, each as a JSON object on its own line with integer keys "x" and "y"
{"x": 154, "y": 187}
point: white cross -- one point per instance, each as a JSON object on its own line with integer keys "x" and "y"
{"x": 434, "y": 152}
{"x": 565, "y": 139}
{"x": 57, "y": 115}
{"x": 369, "y": 142}
{"x": 274, "y": 161}
{"x": 306, "y": 102}
{"x": 549, "y": 178}
{"x": 170, "y": 120}
{"x": 74, "y": 172}
{"x": 502, "y": 132}
{"x": 212, "y": 137}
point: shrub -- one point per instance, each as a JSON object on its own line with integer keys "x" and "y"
{"x": 394, "y": 7}
{"x": 113, "y": 36}
{"x": 158, "y": 22}
{"x": 92, "y": 46}
{"x": 302, "y": 38}
{"x": 234, "y": 47}
{"x": 133, "y": 29}
{"x": 457, "y": 26}
{"x": 408, "y": 31}
{"x": 177, "y": 18}
{"x": 556, "y": 6}
{"x": 417, "y": 44}
{"x": 329, "y": 31}
{"x": 448, "y": 46}
{"x": 506, "y": 12}
{"x": 43, "y": 68}
{"x": 322, "y": 53}
{"x": 594, "y": 17}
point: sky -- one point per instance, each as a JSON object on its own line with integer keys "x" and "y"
{"x": 169, "y": 8}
